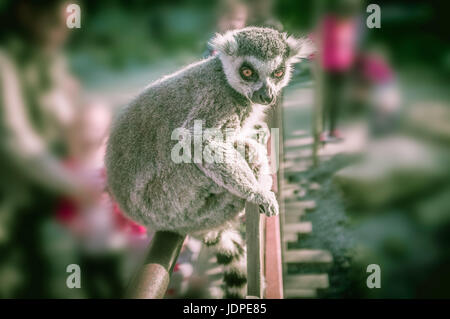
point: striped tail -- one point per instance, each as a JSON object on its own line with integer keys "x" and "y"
{"x": 231, "y": 254}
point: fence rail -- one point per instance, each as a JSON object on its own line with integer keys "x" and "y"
{"x": 151, "y": 281}
{"x": 255, "y": 250}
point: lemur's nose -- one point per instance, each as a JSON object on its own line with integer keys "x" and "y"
{"x": 264, "y": 96}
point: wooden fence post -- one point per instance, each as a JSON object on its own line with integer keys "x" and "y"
{"x": 318, "y": 96}
{"x": 273, "y": 265}
{"x": 152, "y": 279}
{"x": 254, "y": 223}
{"x": 263, "y": 235}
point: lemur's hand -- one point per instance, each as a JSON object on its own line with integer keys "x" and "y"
{"x": 267, "y": 203}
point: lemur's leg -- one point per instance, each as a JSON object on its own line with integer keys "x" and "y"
{"x": 235, "y": 175}
{"x": 257, "y": 159}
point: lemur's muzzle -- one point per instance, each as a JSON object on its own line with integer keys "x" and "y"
{"x": 262, "y": 96}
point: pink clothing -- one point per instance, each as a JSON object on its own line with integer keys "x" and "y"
{"x": 68, "y": 210}
{"x": 339, "y": 43}
{"x": 376, "y": 69}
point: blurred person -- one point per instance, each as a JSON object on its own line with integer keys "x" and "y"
{"x": 38, "y": 100}
{"x": 87, "y": 136}
{"x": 102, "y": 230}
{"x": 262, "y": 14}
{"x": 86, "y": 149}
{"x": 338, "y": 33}
{"x": 376, "y": 78}
{"x": 233, "y": 15}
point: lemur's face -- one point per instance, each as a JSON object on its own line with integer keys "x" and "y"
{"x": 257, "y": 61}
{"x": 260, "y": 81}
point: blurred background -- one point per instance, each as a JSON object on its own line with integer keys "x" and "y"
{"x": 377, "y": 97}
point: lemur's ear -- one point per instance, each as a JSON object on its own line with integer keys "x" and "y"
{"x": 299, "y": 48}
{"x": 224, "y": 43}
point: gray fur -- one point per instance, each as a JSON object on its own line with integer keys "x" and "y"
{"x": 189, "y": 198}
{"x": 264, "y": 44}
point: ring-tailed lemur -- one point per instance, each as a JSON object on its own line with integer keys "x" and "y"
{"x": 230, "y": 90}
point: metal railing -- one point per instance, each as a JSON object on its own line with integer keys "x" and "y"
{"x": 151, "y": 281}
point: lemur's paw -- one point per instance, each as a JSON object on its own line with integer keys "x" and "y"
{"x": 269, "y": 205}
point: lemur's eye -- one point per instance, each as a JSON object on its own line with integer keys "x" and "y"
{"x": 246, "y": 72}
{"x": 278, "y": 73}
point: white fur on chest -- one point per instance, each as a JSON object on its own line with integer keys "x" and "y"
{"x": 257, "y": 116}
